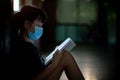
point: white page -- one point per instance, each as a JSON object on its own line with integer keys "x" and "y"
{"x": 67, "y": 45}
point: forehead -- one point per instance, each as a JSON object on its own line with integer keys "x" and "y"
{"x": 37, "y": 22}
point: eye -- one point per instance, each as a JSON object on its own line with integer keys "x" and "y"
{"x": 39, "y": 26}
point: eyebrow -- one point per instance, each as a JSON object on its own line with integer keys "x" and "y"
{"x": 39, "y": 25}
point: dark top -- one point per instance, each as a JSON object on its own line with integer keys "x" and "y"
{"x": 27, "y": 61}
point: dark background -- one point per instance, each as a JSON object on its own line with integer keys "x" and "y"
{"x": 5, "y": 31}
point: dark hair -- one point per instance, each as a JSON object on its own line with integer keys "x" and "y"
{"x": 31, "y": 13}
{"x": 28, "y": 13}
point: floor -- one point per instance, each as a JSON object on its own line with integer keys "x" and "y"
{"x": 95, "y": 62}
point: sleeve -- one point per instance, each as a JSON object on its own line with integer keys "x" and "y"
{"x": 37, "y": 64}
{"x": 26, "y": 61}
{"x": 37, "y": 61}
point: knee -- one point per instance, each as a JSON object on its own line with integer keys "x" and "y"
{"x": 67, "y": 55}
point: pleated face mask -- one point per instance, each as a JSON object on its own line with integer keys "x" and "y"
{"x": 36, "y": 34}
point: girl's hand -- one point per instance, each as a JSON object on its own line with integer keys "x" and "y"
{"x": 57, "y": 57}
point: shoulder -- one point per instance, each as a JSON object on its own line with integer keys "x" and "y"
{"x": 26, "y": 46}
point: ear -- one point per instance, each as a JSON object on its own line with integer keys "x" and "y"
{"x": 27, "y": 24}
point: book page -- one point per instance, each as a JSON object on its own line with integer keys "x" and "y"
{"x": 67, "y": 45}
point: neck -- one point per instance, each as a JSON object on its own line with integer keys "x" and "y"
{"x": 25, "y": 38}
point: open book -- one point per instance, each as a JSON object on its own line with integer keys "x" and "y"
{"x": 67, "y": 45}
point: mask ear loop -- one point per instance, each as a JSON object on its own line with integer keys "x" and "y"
{"x": 18, "y": 32}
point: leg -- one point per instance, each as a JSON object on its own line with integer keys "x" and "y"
{"x": 70, "y": 66}
{"x": 72, "y": 70}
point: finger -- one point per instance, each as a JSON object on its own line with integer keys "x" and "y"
{"x": 56, "y": 53}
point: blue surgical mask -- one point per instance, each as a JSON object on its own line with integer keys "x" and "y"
{"x": 36, "y": 34}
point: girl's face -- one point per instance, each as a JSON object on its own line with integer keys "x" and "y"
{"x": 36, "y": 22}
{"x": 33, "y": 30}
